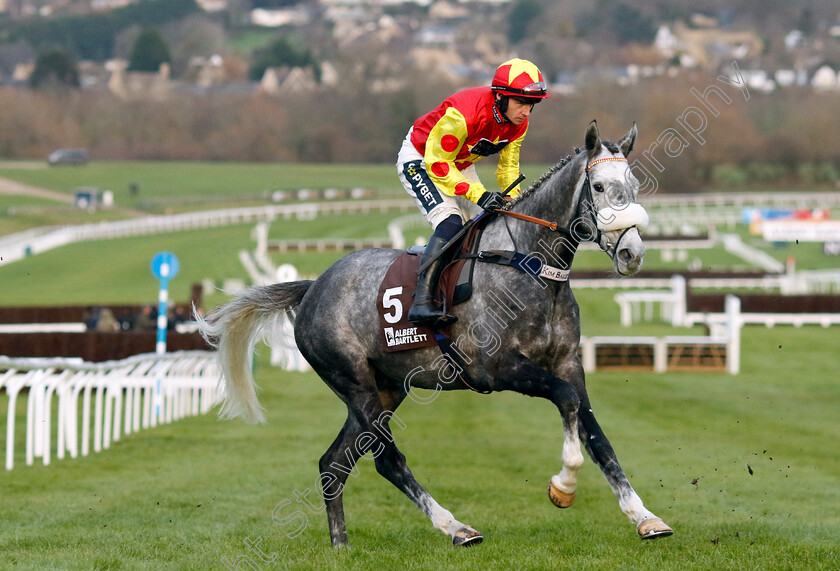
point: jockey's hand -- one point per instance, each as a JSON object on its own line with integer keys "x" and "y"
{"x": 491, "y": 201}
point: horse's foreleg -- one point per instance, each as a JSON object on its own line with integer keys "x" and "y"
{"x": 561, "y": 488}
{"x": 647, "y": 523}
{"x": 527, "y": 378}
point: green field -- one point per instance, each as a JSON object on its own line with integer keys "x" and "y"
{"x": 745, "y": 468}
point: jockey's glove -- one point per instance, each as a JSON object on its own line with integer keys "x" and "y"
{"x": 491, "y": 201}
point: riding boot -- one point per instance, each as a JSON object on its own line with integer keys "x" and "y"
{"x": 425, "y": 311}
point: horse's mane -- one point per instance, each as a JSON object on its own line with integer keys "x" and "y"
{"x": 545, "y": 176}
{"x": 611, "y": 146}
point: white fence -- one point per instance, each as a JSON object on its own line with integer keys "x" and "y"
{"x": 118, "y": 397}
{"x": 738, "y": 200}
{"x": 672, "y": 303}
{"x": 18, "y": 246}
{"x": 725, "y": 335}
{"x": 725, "y": 208}
{"x": 673, "y": 309}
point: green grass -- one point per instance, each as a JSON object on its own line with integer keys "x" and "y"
{"x": 246, "y": 41}
{"x": 119, "y": 271}
{"x": 807, "y": 255}
{"x": 185, "y": 495}
{"x": 190, "y": 179}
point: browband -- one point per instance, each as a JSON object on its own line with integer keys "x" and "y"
{"x": 604, "y": 160}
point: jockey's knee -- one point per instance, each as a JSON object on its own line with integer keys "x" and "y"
{"x": 449, "y": 227}
{"x": 444, "y": 213}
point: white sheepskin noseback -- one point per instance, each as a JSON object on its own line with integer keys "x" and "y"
{"x": 614, "y": 219}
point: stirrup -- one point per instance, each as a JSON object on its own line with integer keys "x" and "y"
{"x": 445, "y": 321}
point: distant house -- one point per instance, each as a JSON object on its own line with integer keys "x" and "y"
{"x": 706, "y": 47}
{"x": 666, "y": 42}
{"x": 136, "y": 84}
{"x": 758, "y": 80}
{"x": 212, "y": 5}
{"x": 443, "y": 10}
{"x": 564, "y": 83}
{"x": 826, "y": 79}
{"x": 785, "y": 77}
{"x": 276, "y": 18}
{"x": 437, "y": 35}
{"x": 794, "y": 39}
{"x": 104, "y": 5}
{"x": 93, "y": 74}
{"x": 22, "y": 73}
{"x": 437, "y": 60}
{"x": 206, "y": 72}
{"x": 288, "y": 79}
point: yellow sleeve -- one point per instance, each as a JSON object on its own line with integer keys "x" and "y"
{"x": 445, "y": 140}
{"x": 508, "y": 168}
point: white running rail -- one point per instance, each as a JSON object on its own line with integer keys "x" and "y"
{"x": 120, "y": 397}
{"x": 18, "y": 246}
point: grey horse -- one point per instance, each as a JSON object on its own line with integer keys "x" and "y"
{"x": 519, "y": 331}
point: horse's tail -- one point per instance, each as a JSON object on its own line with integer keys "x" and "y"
{"x": 234, "y": 329}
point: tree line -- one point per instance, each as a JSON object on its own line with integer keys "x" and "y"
{"x": 92, "y": 36}
{"x": 787, "y": 139}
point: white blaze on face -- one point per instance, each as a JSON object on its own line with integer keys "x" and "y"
{"x": 617, "y": 210}
{"x": 619, "y": 184}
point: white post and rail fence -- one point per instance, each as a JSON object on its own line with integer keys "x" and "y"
{"x": 68, "y": 401}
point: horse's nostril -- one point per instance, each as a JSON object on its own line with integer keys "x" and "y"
{"x": 624, "y": 255}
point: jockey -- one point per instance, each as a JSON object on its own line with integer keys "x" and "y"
{"x": 436, "y": 162}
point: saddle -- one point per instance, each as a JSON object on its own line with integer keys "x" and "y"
{"x": 396, "y": 294}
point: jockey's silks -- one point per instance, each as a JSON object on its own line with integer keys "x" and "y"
{"x": 462, "y": 130}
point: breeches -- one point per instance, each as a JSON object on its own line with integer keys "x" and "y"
{"x": 435, "y": 205}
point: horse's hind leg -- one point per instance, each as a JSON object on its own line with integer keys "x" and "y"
{"x": 336, "y": 464}
{"x": 391, "y": 464}
{"x": 367, "y": 428}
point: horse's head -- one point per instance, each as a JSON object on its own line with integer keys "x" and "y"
{"x": 608, "y": 198}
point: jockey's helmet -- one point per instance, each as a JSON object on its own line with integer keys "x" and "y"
{"x": 519, "y": 78}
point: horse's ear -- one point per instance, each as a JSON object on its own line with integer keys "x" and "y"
{"x": 626, "y": 142}
{"x": 593, "y": 139}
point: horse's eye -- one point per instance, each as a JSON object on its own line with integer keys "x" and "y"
{"x": 598, "y": 187}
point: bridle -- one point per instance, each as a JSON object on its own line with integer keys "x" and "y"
{"x": 585, "y": 225}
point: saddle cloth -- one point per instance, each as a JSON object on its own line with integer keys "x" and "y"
{"x": 396, "y": 295}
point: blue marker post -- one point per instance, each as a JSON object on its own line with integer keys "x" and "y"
{"x": 164, "y": 267}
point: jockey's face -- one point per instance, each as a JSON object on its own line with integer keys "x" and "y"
{"x": 518, "y": 110}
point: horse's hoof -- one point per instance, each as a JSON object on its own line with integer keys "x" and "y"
{"x": 653, "y": 528}
{"x": 466, "y": 537}
{"x": 558, "y": 498}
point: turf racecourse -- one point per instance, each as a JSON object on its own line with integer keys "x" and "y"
{"x": 744, "y": 468}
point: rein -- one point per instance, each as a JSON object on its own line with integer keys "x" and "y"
{"x": 533, "y": 219}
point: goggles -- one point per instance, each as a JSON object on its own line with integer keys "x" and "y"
{"x": 539, "y": 86}
{"x": 534, "y": 90}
